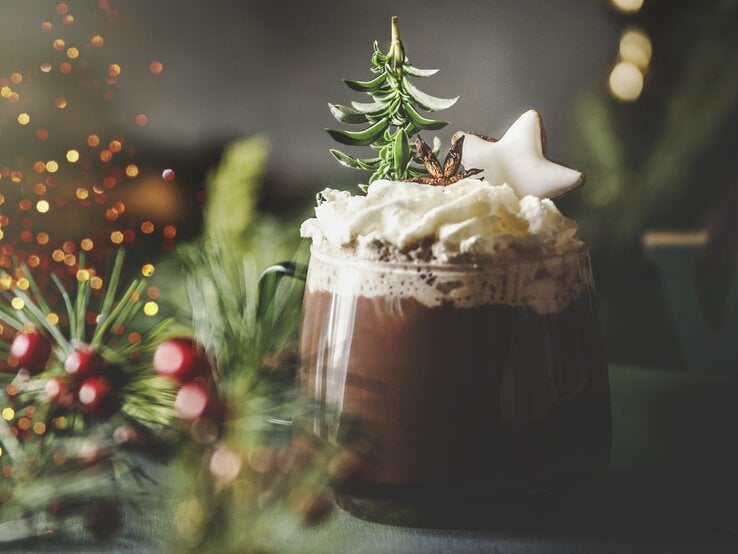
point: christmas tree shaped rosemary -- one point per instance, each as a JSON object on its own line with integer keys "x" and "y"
{"x": 393, "y": 116}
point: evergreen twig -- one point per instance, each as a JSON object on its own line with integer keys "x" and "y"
{"x": 394, "y": 115}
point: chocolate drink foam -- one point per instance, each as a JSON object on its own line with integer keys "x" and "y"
{"x": 545, "y": 285}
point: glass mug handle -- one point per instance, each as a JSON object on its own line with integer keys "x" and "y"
{"x": 267, "y": 286}
{"x": 270, "y": 278}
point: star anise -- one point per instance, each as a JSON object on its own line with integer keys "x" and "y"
{"x": 449, "y": 173}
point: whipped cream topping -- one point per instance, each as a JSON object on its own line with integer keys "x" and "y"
{"x": 468, "y": 221}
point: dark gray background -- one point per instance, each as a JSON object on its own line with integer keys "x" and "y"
{"x": 235, "y": 68}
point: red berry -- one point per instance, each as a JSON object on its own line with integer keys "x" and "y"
{"x": 32, "y": 350}
{"x": 54, "y": 389}
{"x": 191, "y": 402}
{"x": 181, "y": 359}
{"x": 97, "y": 397}
{"x": 198, "y": 401}
{"x": 83, "y": 362}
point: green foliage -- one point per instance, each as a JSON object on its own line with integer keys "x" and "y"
{"x": 116, "y": 315}
{"x": 222, "y": 286}
{"x": 644, "y": 164}
{"x": 248, "y": 327}
{"x": 392, "y": 117}
{"x": 233, "y": 189}
{"x": 58, "y": 460}
{"x": 248, "y": 330}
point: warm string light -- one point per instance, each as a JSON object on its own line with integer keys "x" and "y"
{"x": 52, "y": 181}
{"x": 627, "y": 6}
{"x": 627, "y": 77}
{"x": 97, "y": 165}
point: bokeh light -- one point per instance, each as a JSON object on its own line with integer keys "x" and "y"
{"x": 635, "y": 47}
{"x": 66, "y": 191}
{"x": 626, "y": 81}
{"x": 627, "y": 6}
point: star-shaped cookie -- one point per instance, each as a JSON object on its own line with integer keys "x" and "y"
{"x": 519, "y": 159}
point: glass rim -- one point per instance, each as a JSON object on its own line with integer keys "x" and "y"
{"x": 577, "y": 251}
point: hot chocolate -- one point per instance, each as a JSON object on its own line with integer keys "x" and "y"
{"x": 458, "y": 325}
{"x": 459, "y": 397}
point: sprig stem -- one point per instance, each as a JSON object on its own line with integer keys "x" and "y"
{"x": 397, "y": 50}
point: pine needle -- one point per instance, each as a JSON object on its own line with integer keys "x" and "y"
{"x": 67, "y": 304}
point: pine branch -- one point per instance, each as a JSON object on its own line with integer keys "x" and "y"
{"x": 126, "y": 363}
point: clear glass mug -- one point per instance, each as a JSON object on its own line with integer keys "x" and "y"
{"x": 470, "y": 379}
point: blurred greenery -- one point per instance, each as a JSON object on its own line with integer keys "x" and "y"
{"x": 665, "y": 161}
{"x": 644, "y": 161}
{"x": 232, "y": 191}
{"x": 249, "y": 334}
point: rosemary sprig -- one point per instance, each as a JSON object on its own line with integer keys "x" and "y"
{"x": 393, "y": 116}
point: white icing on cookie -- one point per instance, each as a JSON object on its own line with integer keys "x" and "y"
{"x": 519, "y": 160}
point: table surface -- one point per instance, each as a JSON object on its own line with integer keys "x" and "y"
{"x": 672, "y": 486}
